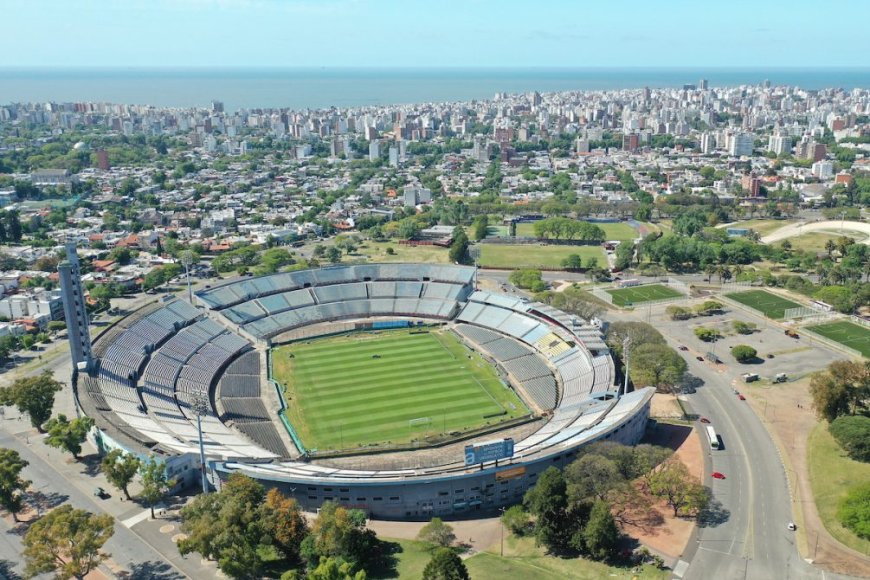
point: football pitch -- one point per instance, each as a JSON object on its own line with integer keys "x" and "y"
{"x": 637, "y": 294}
{"x": 370, "y": 389}
{"x": 846, "y": 333}
{"x": 770, "y": 305}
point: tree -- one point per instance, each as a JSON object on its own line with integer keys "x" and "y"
{"x": 672, "y": 481}
{"x": 155, "y": 483}
{"x": 67, "y": 542}
{"x": 68, "y": 435}
{"x": 841, "y": 390}
{"x": 572, "y": 262}
{"x": 572, "y": 300}
{"x": 338, "y": 532}
{"x": 678, "y": 312}
{"x": 459, "y": 248}
{"x": 285, "y": 523}
{"x": 333, "y": 255}
{"x": 744, "y": 353}
{"x": 334, "y": 569}
{"x": 34, "y": 396}
{"x": 27, "y": 341}
{"x": 445, "y": 565}
{"x": 591, "y": 477}
{"x": 548, "y": 502}
{"x": 481, "y": 226}
{"x": 852, "y": 432}
{"x": 120, "y": 468}
{"x": 741, "y": 327}
{"x": 601, "y": 535}
{"x": 638, "y": 332}
{"x": 12, "y": 487}
{"x": 516, "y": 520}
{"x": 530, "y": 279}
{"x": 708, "y": 307}
{"x": 656, "y": 365}
{"x": 854, "y": 510}
{"x": 438, "y": 533}
{"x": 707, "y": 334}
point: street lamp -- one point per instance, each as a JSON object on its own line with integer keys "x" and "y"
{"x": 187, "y": 260}
{"x": 626, "y": 344}
{"x": 501, "y": 521}
{"x": 200, "y": 406}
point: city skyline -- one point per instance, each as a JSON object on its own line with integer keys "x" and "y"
{"x": 480, "y": 34}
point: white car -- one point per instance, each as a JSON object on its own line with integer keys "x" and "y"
{"x": 792, "y": 526}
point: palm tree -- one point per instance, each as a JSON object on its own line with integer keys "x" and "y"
{"x": 737, "y": 270}
{"x": 709, "y": 270}
{"x": 724, "y": 273}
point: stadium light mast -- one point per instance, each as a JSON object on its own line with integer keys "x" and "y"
{"x": 187, "y": 262}
{"x": 474, "y": 252}
{"x": 200, "y": 407}
{"x": 626, "y": 345}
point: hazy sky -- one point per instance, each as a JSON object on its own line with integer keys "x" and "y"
{"x": 434, "y": 33}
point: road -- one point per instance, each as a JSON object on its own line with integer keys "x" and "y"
{"x": 126, "y": 548}
{"x": 847, "y": 227}
{"x": 744, "y": 534}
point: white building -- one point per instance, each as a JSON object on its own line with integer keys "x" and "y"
{"x": 823, "y": 169}
{"x": 779, "y": 144}
{"x": 374, "y": 150}
{"x": 708, "y": 143}
{"x": 741, "y": 144}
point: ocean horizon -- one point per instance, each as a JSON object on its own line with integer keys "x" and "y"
{"x": 315, "y": 88}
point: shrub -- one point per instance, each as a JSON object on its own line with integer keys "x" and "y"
{"x": 744, "y": 353}
{"x": 744, "y": 327}
{"x": 516, "y": 520}
{"x": 678, "y": 312}
{"x": 852, "y": 432}
{"x": 706, "y": 334}
{"x": 854, "y": 510}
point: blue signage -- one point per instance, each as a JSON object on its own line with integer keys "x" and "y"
{"x": 489, "y": 451}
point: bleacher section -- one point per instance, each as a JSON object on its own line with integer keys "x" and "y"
{"x": 239, "y": 394}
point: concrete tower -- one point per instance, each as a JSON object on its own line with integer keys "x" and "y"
{"x": 74, "y": 309}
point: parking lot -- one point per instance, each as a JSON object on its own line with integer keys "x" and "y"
{"x": 795, "y": 357}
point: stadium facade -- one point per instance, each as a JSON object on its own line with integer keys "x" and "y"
{"x": 150, "y": 367}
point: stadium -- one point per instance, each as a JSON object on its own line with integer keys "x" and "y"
{"x": 399, "y": 389}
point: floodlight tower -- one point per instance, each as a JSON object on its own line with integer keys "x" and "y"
{"x": 626, "y": 346}
{"x": 187, "y": 261}
{"x": 200, "y": 406}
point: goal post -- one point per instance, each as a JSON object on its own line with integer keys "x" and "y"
{"x": 419, "y": 428}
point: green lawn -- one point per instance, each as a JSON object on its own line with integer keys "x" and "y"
{"x": 832, "y": 473}
{"x": 815, "y": 241}
{"x": 846, "y": 333}
{"x": 761, "y": 227}
{"x": 364, "y": 389}
{"x": 522, "y": 561}
{"x": 612, "y": 231}
{"x": 377, "y": 252}
{"x": 510, "y": 256}
{"x": 770, "y": 305}
{"x": 646, "y": 293}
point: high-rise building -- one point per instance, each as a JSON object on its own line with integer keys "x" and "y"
{"x": 823, "y": 169}
{"x": 779, "y": 144}
{"x": 394, "y": 156}
{"x": 708, "y": 143}
{"x": 103, "y": 159}
{"x": 374, "y": 150}
{"x": 217, "y": 107}
{"x": 703, "y": 84}
{"x": 74, "y": 309}
{"x": 751, "y": 184}
{"x": 630, "y": 142}
{"x": 741, "y": 144}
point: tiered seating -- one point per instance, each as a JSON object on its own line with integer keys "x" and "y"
{"x": 527, "y": 367}
{"x": 476, "y": 334}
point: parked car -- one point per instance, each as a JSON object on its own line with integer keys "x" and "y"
{"x": 717, "y": 475}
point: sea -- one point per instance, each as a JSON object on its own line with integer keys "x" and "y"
{"x": 330, "y": 87}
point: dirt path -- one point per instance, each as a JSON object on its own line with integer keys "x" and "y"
{"x": 786, "y": 413}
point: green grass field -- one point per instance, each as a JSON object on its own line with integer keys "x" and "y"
{"x": 770, "y": 305}
{"x": 846, "y": 333}
{"x": 510, "y": 256}
{"x": 612, "y": 231}
{"x": 832, "y": 473}
{"x": 368, "y": 388}
{"x": 638, "y": 294}
{"x": 377, "y": 252}
{"x": 522, "y": 560}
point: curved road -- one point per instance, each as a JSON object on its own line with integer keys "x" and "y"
{"x": 830, "y": 226}
{"x": 745, "y": 534}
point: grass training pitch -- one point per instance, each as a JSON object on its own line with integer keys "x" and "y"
{"x": 638, "y": 294}
{"x": 770, "y": 305}
{"x": 511, "y": 256}
{"x": 612, "y": 230}
{"x": 846, "y": 333}
{"x": 388, "y": 387}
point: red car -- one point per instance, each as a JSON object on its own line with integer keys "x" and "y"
{"x": 741, "y": 397}
{"x": 717, "y": 475}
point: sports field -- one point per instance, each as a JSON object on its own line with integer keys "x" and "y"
{"x": 388, "y": 387}
{"x": 637, "y": 294}
{"x": 512, "y": 256}
{"x": 846, "y": 333}
{"x": 770, "y": 305}
{"x": 612, "y": 230}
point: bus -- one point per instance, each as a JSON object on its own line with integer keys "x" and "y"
{"x": 714, "y": 439}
